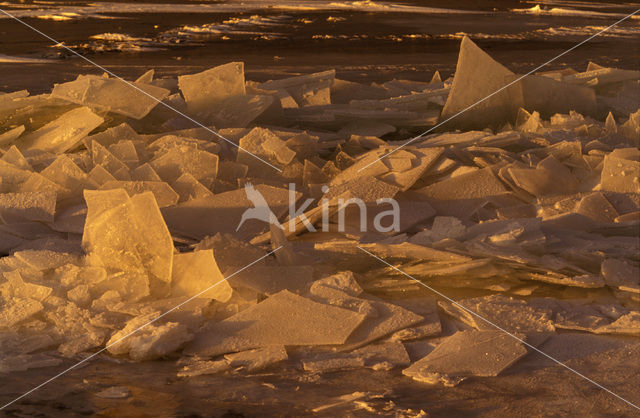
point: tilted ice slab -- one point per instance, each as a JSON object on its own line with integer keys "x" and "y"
{"x": 130, "y": 99}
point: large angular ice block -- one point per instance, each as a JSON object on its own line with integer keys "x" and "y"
{"x": 207, "y": 88}
{"x": 127, "y": 234}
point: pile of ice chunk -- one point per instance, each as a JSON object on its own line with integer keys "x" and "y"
{"x": 116, "y": 209}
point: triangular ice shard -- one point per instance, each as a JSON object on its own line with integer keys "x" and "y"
{"x": 478, "y": 82}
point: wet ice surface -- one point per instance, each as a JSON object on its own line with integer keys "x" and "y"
{"x": 528, "y": 217}
{"x": 536, "y": 387}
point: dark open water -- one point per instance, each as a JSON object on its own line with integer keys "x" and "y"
{"x": 363, "y": 41}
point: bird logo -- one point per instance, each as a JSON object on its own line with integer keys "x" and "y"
{"x": 260, "y": 210}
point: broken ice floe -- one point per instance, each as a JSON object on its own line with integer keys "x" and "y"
{"x": 115, "y": 209}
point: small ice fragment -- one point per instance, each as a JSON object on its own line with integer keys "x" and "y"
{"x": 15, "y": 310}
{"x": 189, "y": 188}
{"x": 114, "y": 392}
{"x": 259, "y": 359}
{"x": 145, "y": 172}
{"x": 150, "y": 342}
{"x": 325, "y": 365}
{"x": 147, "y": 77}
{"x": 195, "y": 272}
{"x": 177, "y": 160}
{"x": 620, "y": 273}
{"x": 202, "y": 367}
{"x": 621, "y": 171}
{"x": 443, "y": 227}
{"x": 112, "y": 135}
{"x": 264, "y": 144}
{"x": 23, "y": 362}
{"x": 306, "y": 90}
{"x": 603, "y": 76}
{"x": 342, "y": 400}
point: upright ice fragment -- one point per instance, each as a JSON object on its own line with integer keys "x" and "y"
{"x": 64, "y": 172}
{"x": 478, "y": 76}
{"x": 113, "y": 135}
{"x": 208, "y": 88}
{"x": 196, "y": 272}
{"x": 621, "y": 171}
{"x": 127, "y": 234}
{"x": 263, "y": 143}
{"x": 306, "y": 90}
